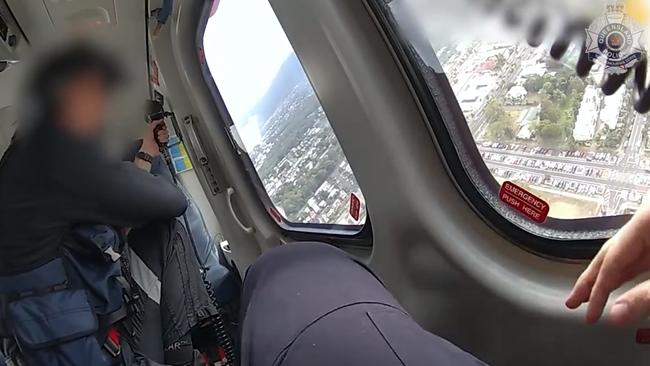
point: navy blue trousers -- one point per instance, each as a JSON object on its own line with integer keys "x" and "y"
{"x": 312, "y": 304}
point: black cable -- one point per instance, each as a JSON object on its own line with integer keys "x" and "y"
{"x": 218, "y": 324}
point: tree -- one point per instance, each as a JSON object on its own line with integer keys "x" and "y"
{"x": 504, "y": 129}
{"x": 494, "y": 111}
{"x": 576, "y": 84}
{"x": 550, "y": 111}
{"x": 613, "y": 139}
{"x": 534, "y": 84}
{"x": 550, "y": 133}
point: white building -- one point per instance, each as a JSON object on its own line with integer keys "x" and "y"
{"x": 525, "y": 121}
{"x": 585, "y": 127}
{"x": 612, "y": 109}
{"x": 529, "y": 69}
{"x": 516, "y": 95}
{"x": 474, "y": 95}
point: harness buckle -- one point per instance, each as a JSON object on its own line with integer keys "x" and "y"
{"x": 112, "y": 344}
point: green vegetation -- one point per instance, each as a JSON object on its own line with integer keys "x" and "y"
{"x": 612, "y": 138}
{"x": 291, "y": 129}
{"x": 293, "y": 197}
{"x": 502, "y": 130}
{"x": 501, "y": 125}
{"x": 560, "y": 96}
{"x": 550, "y": 134}
{"x": 534, "y": 84}
{"x": 287, "y": 133}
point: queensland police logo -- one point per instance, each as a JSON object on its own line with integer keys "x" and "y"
{"x": 614, "y": 40}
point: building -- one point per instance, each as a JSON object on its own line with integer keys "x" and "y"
{"x": 526, "y": 120}
{"x": 612, "y": 109}
{"x": 529, "y": 69}
{"x": 516, "y": 95}
{"x": 473, "y": 96}
{"x": 585, "y": 127}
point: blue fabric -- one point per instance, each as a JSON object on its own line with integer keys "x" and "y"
{"x": 97, "y": 273}
{"x": 58, "y": 325}
{"x": 55, "y": 328}
{"x": 43, "y": 321}
{"x": 79, "y": 352}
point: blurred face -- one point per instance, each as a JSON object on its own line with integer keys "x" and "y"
{"x": 82, "y": 105}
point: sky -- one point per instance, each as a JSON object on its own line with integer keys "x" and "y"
{"x": 245, "y": 47}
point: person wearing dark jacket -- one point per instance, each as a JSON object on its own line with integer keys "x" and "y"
{"x": 55, "y": 178}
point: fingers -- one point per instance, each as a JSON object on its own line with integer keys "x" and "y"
{"x": 162, "y": 134}
{"x": 614, "y": 271}
{"x": 159, "y": 132}
{"x": 622, "y": 258}
{"x": 608, "y": 280}
{"x": 582, "y": 289}
{"x": 632, "y": 306}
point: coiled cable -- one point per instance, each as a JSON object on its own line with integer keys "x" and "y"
{"x": 218, "y": 323}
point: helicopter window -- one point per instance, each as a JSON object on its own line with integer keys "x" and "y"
{"x": 509, "y": 112}
{"x": 278, "y": 120}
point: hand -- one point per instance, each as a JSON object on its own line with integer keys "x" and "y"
{"x": 162, "y": 134}
{"x": 621, "y": 259}
{"x": 154, "y": 133}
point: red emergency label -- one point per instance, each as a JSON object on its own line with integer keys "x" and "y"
{"x": 155, "y": 73}
{"x": 525, "y": 202}
{"x": 355, "y": 207}
{"x": 643, "y": 336}
{"x": 276, "y": 215}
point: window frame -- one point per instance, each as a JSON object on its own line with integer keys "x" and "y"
{"x": 343, "y": 235}
{"x": 576, "y": 239}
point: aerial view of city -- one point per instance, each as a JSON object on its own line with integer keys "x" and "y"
{"x": 299, "y": 159}
{"x": 534, "y": 121}
{"x": 539, "y": 125}
{"x": 278, "y": 117}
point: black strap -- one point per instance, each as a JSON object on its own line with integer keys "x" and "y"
{"x": 16, "y": 296}
{"x": 105, "y": 321}
{"x": 133, "y": 300}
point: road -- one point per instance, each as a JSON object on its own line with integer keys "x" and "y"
{"x": 557, "y": 159}
{"x": 621, "y": 177}
{"x": 634, "y": 148}
{"x": 611, "y": 184}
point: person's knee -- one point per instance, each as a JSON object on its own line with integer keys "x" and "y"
{"x": 282, "y": 256}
